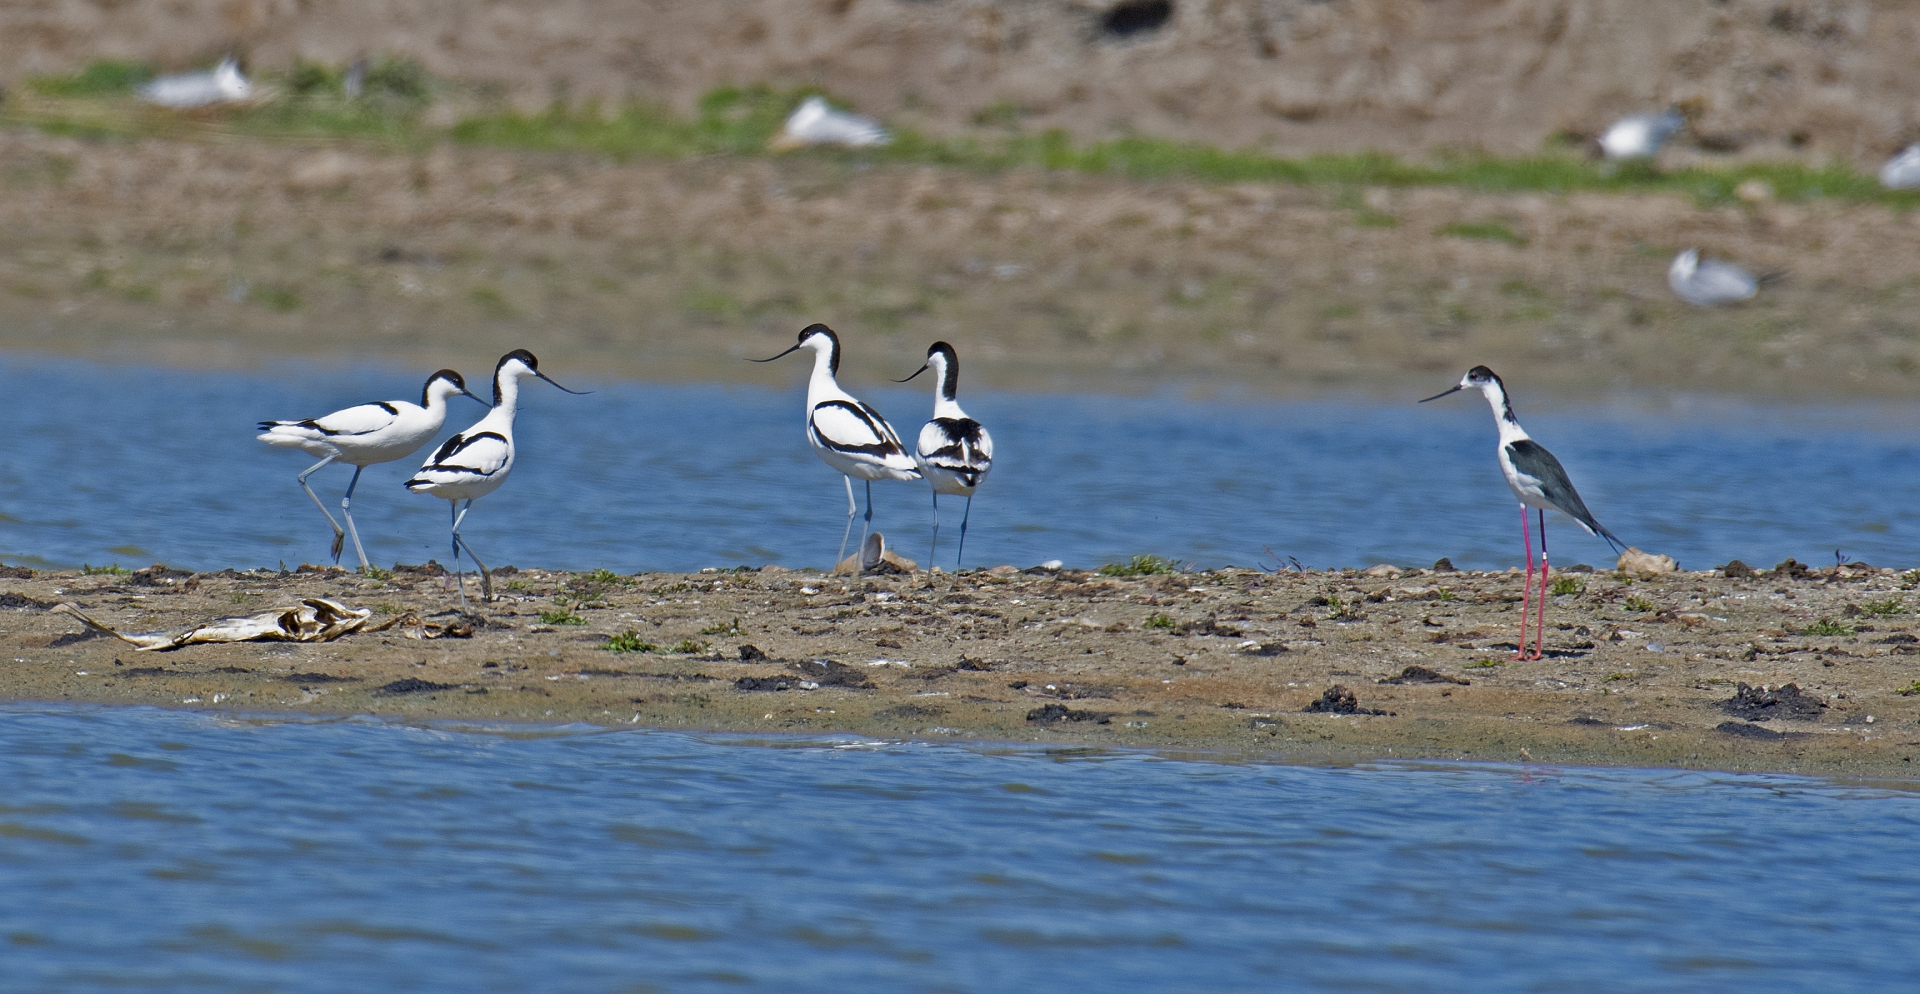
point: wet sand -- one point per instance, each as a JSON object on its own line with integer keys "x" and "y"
{"x": 1639, "y": 670}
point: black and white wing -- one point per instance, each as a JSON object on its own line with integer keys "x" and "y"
{"x": 464, "y": 459}
{"x": 852, "y": 428}
{"x": 366, "y": 419}
{"x": 1539, "y": 469}
{"x": 959, "y": 446}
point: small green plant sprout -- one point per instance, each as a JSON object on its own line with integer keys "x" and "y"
{"x": 1483, "y": 664}
{"x": 1567, "y": 585}
{"x": 688, "y": 647}
{"x": 606, "y": 578}
{"x": 1910, "y": 689}
{"x": 719, "y": 628}
{"x": 1611, "y": 677}
{"x": 1159, "y": 621}
{"x": 88, "y": 569}
{"x": 629, "y": 641}
{"x": 1140, "y": 566}
{"x": 562, "y": 616}
{"x": 1884, "y": 609}
{"x": 1445, "y": 594}
{"x": 1637, "y": 603}
{"x": 1910, "y": 579}
{"x": 372, "y": 572}
{"x": 517, "y": 585}
{"x": 1827, "y": 626}
{"x": 389, "y": 609}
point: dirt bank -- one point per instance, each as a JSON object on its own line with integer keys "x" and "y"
{"x": 218, "y": 252}
{"x": 1819, "y": 79}
{"x": 1680, "y": 670}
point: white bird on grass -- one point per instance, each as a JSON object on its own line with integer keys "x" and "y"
{"x": 1902, "y": 172}
{"x": 953, "y": 452}
{"x": 364, "y": 436}
{"x": 223, "y": 84}
{"x": 1711, "y": 282}
{"x": 1640, "y": 136}
{"x": 476, "y": 462}
{"x": 815, "y": 122}
{"x": 846, "y": 433}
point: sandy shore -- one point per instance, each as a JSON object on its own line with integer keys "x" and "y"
{"x": 1639, "y": 670}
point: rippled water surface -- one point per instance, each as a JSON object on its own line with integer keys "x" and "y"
{"x": 169, "y": 851}
{"x": 135, "y": 465}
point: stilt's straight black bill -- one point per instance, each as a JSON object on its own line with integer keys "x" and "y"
{"x": 795, "y": 348}
{"x": 475, "y": 396}
{"x": 916, "y": 372}
{"x": 577, "y": 393}
{"x": 1441, "y": 394}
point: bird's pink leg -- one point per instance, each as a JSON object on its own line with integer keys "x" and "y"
{"x": 1526, "y": 541}
{"x": 1540, "y": 627}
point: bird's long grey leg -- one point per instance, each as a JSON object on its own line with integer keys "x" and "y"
{"x": 339, "y": 537}
{"x": 936, "y": 537}
{"x": 865, "y": 527}
{"x": 453, "y": 512}
{"x": 486, "y": 579}
{"x": 852, "y": 509}
{"x": 963, "y": 534}
{"x": 346, "y": 511}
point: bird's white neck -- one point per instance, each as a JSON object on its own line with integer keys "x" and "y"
{"x": 508, "y": 386}
{"x": 945, "y": 396}
{"x": 1510, "y": 430}
{"x": 822, "y": 386}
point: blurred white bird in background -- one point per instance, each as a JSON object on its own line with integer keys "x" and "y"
{"x": 223, "y": 84}
{"x": 1902, "y": 172}
{"x": 1640, "y": 136}
{"x": 815, "y": 122}
{"x": 1710, "y": 282}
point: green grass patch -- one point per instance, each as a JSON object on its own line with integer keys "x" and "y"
{"x": 718, "y": 628}
{"x": 1490, "y": 231}
{"x": 563, "y": 616}
{"x": 1141, "y": 566}
{"x": 1567, "y": 585}
{"x": 1910, "y": 689}
{"x": 101, "y": 78}
{"x": 87, "y": 569}
{"x": 1159, "y": 621}
{"x": 1826, "y": 626}
{"x": 1884, "y": 609}
{"x": 372, "y": 572}
{"x": 688, "y": 647}
{"x": 279, "y": 298}
{"x": 629, "y": 641}
{"x": 1445, "y": 594}
{"x": 1637, "y": 603}
{"x": 1483, "y": 664}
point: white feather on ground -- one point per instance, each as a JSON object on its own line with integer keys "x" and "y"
{"x": 814, "y": 122}
{"x": 1709, "y": 282}
{"x": 1902, "y": 172}
{"x": 223, "y": 84}
{"x": 1640, "y": 135}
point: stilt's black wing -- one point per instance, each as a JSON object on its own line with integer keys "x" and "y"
{"x": 1531, "y": 459}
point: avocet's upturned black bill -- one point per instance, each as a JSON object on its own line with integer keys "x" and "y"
{"x": 364, "y": 436}
{"x": 846, "y": 433}
{"x": 953, "y": 452}
{"x": 1538, "y": 480}
{"x": 476, "y": 462}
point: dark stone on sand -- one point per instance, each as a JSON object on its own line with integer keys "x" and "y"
{"x": 974, "y": 665}
{"x": 1793, "y": 570}
{"x": 1577, "y": 568}
{"x": 1761, "y": 704}
{"x": 1050, "y": 713}
{"x": 432, "y": 568}
{"x": 1898, "y": 638}
{"x": 1266, "y": 649}
{"x": 412, "y": 685}
{"x": 749, "y": 684}
{"x": 21, "y": 602}
{"x": 323, "y": 678}
{"x": 145, "y": 671}
{"x": 1443, "y": 565}
{"x": 751, "y": 654}
{"x": 1339, "y": 700}
{"x": 1747, "y": 731}
{"x": 15, "y": 573}
{"x": 827, "y": 673}
{"x": 1736, "y": 570}
{"x": 1420, "y": 674}
{"x": 1586, "y": 720}
{"x": 1208, "y": 626}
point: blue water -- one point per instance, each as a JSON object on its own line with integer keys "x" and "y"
{"x": 171, "y": 851}
{"x": 133, "y": 465}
